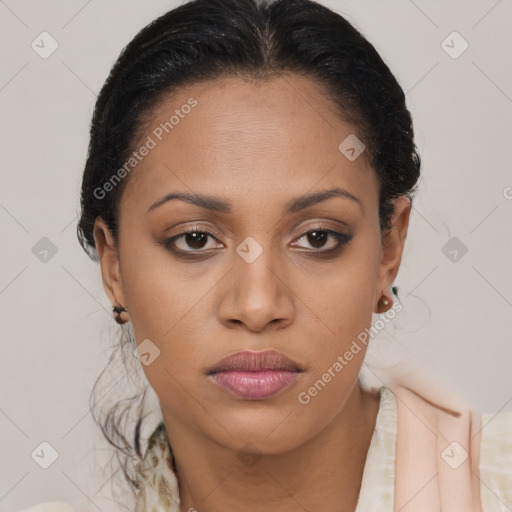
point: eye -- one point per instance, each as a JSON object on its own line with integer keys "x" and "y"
{"x": 191, "y": 241}
{"x": 318, "y": 239}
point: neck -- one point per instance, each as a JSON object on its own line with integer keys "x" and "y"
{"x": 323, "y": 473}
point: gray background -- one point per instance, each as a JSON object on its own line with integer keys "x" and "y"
{"x": 56, "y": 327}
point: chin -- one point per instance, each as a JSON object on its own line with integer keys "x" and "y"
{"x": 270, "y": 432}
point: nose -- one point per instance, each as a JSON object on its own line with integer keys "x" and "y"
{"x": 257, "y": 296}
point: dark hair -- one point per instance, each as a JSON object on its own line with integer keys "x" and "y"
{"x": 209, "y": 39}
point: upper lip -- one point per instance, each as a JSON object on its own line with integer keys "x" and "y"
{"x": 254, "y": 361}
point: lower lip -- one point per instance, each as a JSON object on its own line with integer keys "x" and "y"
{"x": 255, "y": 385}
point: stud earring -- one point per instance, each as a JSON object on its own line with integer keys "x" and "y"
{"x": 118, "y": 311}
{"x": 383, "y": 302}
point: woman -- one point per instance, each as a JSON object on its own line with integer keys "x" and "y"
{"x": 247, "y": 194}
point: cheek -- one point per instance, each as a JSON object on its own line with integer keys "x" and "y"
{"x": 159, "y": 295}
{"x": 343, "y": 295}
{"x": 342, "y": 303}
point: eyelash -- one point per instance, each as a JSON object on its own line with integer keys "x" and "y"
{"x": 341, "y": 238}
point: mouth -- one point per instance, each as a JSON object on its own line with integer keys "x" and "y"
{"x": 255, "y": 375}
{"x": 256, "y": 361}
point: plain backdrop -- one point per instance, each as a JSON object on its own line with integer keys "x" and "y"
{"x": 456, "y": 275}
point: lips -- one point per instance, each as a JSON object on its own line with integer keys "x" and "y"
{"x": 255, "y": 375}
{"x": 256, "y": 361}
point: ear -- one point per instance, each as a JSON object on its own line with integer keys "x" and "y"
{"x": 109, "y": 262}
{"x": 392, "y": 249}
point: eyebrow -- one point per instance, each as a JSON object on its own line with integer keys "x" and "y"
{"x": 220, "y": 205}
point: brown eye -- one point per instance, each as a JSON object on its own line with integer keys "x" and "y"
{"x": 192, "y": 241}
{"x": 319, "y": 238}
{"x": 196, "y": 240}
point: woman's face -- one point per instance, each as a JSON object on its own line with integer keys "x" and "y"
{"x": 263, "y": 166}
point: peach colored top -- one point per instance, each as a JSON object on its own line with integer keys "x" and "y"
{"x": 377, "y": 487}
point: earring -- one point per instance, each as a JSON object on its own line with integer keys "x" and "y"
{"x": 383, "y": 302}
{"x": 118, "y": 311}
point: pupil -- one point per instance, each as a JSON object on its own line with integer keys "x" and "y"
{"x": 317, "y": 238}
{"x": 194, "y": 239}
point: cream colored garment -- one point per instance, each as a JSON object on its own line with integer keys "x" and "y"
{"x": 377, "y": 485}
{"x": 496, "y": 462}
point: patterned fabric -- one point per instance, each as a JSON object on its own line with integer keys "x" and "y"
{"x": 496, "y": 462}
{"x": 158, "y": 490}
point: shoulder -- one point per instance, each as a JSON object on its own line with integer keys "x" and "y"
{"x": 496, "y": 461}
{"x": 454, "y": 443}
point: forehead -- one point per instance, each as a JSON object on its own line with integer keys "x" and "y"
{"x": 230, "y": 136}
